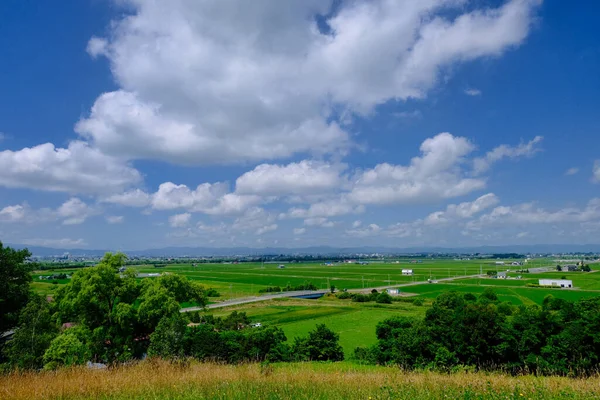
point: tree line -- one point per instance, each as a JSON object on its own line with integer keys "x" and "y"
{"x": 461, "y": 330}
{"x": 104, "y": 316}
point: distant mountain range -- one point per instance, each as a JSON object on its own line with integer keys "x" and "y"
{"x": 324, "y": 250}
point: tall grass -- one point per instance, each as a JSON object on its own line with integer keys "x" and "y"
{"x": 161, "y": 380}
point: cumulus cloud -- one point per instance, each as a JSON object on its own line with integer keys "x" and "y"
{"x": 473, "y": 92}
{"x": 302, "y": 178}
{"x": 435, "y": 175}
{"x": 115, "y": 219}
{"x": 75, "y": 212}
{"x": 15, "y": 213}
{"x": 529, "y": 213}
{"x": 76, "y": 169}
{"x": 229, "y": 82}
{"x": 528, "y": 149}
{"x": 266, "y": 228}
{"x": 327, "y": 208}
{"x": 572, "y": 171}
{"x": 463, "y": 210}
{"x": 132, "y": 198}
{"x": 370, "y": 230}
{"x": 180, "y": 220}
{"x": 322, "y": 222}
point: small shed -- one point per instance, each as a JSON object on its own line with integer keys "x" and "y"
{"x": 407, "y": 272}
{"x": 563, "y": 283}
{"x": 281, "y": 266}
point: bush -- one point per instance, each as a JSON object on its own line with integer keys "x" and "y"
{"x": 211, "y": 292}
{"x": 66, "y": 350}
{"x": 343, "y": 295}
{"x": 384, "y": 298}
{"x": 360, "y": 298}
{"x": 322, "y": 344}
{"x": 418, "y": 302}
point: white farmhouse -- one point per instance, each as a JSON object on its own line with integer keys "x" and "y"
{"x": 563, "y": 283}
{"x": 407, "y": 272}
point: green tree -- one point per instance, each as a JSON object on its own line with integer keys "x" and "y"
{"x": 384, "y": 298}
{"x": 33, "y": 336}
{"x": 168, "y": 340}
{"x": 15, "y": 279}
{"x": 322, "y": 344}
{"x": 65, "y": 350}
{"x": 332, "y": 289}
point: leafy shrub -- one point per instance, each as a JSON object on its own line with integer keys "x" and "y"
{"x": 66, "y": 350}
{"x": 384, "y": 298}
{"x": 322, "y": 344}
{"x": 343, "y": 295}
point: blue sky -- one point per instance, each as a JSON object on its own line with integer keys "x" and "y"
{"x": 140, "y": 124}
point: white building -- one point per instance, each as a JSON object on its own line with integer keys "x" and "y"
{"x": 563, "y": 283}
{"x": 393, "y": 291}
{"x": 407, "y": 272}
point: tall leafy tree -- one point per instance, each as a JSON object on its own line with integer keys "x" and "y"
{"x": 15, "y": 279}
{"x": 322, "y": 344}
{"x": 33, "y": 335}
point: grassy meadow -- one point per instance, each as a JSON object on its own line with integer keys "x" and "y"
{"x": 354, "y": 322}
{"x": 161, "y": 380}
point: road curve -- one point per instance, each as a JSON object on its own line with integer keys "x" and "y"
{"x": 254, "y": 299}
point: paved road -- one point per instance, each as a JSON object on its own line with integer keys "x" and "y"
{"x": 254, "y": 299}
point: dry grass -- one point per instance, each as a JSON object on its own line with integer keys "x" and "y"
{"x": 161, "y": 380}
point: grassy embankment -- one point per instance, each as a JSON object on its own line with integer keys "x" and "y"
{"x": 161, "y": 380}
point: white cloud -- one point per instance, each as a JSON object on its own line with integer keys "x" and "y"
{"x": 462, "y": 211}
{"x": 528, "y": 213}
{"x": 571, "y": 171}
{"x": 132, "y": 198}
{"x": 115, "y": 219}
{"x": 522, "y": 235}
{"x": 76, "y": 169}
{"x": 299, "y": 231}
{"x": 302, "y": 178}
{"x": 528, "y": 149}
{"x": 473, "y": 92}
{"x": 58, "y": 243}
{"x": 320, "y": 221}
{"x": 356, "y": 224}
{"x": 253, "y": 219}
{"x": 435, "y": 175}
{"x": 97, "y": 46}
{"x": 327, "y": 208}
{"x": 180, "y": 220}
{"x": 75, "y": 212}
{"x": 171, "y": 196}
{"x": 371, "y": 230}
{"x": 236, "y": 81}
{"x": 266, "y": 229}
{"x": 13, "y": 213}
{"x": 597, "y": 171}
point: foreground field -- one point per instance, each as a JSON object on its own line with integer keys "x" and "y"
{"x": 354, "y": 322}
{"x": 161, "y": 380}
